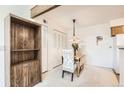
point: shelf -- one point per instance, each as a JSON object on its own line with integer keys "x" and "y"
{"x": 21, "y": 50}
{"x": 24, "y": 62}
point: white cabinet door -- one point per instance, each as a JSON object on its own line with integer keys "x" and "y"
{"x": 120, "y": 40}
{"x": 121, "y": 66}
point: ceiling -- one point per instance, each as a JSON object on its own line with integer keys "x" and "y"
{"x": 85, "y": 15}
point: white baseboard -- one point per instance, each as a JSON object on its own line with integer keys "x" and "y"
{"x": 100, "y": 66}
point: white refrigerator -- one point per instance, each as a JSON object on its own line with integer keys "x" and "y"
{"x": 118, "y": 42}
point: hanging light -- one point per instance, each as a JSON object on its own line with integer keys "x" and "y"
{"x": 74, "y": 38}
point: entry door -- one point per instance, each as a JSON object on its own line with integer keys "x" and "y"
{"x": 44, "y": 48}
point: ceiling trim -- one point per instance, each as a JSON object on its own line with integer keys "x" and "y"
{"x": 34, "y": 14}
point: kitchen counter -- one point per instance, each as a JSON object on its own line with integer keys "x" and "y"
{"x": 121, "y": 47}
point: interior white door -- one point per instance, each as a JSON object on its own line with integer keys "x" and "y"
{"x": 59, "y": 45}
{"x": 44, "y": 48}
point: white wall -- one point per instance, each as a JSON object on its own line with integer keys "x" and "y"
{"x": 23, "y": 11}
{"x": 100, "y": 55}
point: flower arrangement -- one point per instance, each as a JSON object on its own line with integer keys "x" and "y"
{"x": 75, "y": 47}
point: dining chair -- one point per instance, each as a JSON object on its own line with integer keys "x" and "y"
{"x": 68, "y": 62}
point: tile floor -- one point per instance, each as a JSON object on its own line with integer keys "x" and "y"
{"x": 91, "y": 76}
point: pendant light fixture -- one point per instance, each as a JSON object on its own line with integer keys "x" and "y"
{"x": 74, "y": 38}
